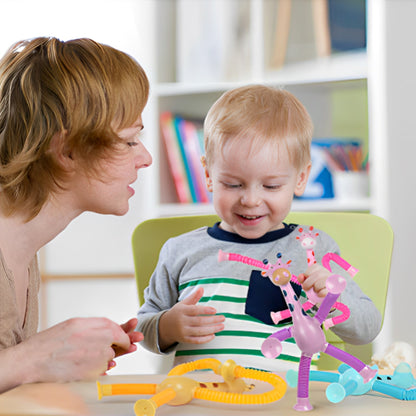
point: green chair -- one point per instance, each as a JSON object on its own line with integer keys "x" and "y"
{"x": 365, "y": 241}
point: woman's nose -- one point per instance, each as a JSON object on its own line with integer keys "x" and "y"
{"x": 143, "y": 158}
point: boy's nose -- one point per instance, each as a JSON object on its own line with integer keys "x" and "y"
{"x": 250, "y": 198}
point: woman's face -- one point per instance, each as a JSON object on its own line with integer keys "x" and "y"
{"x": 110, "y": 193}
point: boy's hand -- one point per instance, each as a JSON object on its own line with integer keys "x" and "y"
{"x": 188, "y": 322}
{"x": 314, "y": 279}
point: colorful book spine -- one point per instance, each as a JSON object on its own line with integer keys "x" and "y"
{"x": 178, "y": 123}
{"x": 175, "y": 158}
{"x": 184, "y": 147}
{"x": 193, "y": 154}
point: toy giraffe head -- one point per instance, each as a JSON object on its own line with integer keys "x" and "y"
{"x": 278, "y": 273}
{"x": 307, "y": 238}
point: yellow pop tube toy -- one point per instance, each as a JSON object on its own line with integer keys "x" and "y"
{"x": 177, "y": 390}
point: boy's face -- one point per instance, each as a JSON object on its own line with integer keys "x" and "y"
{"x": 253, "y": 189}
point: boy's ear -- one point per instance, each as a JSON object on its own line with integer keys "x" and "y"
{"x": 302, "y": 179}
{"x": 208, "y": 180}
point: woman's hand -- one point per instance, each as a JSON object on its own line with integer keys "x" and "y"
{"x": 76, "y": 349}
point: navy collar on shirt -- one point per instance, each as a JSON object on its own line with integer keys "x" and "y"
{"x": 216, "y": 232}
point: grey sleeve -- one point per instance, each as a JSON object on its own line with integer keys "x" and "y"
{"x": 160, "y": 296}
{"x": 364, "y": 322}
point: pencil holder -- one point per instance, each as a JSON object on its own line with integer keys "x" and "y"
{"x": 350, "y": 184}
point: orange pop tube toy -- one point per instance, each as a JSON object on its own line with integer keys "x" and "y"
{"x": 178, "y": 390}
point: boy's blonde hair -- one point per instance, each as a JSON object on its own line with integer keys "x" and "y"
{"x": 80, "y": 91}
{"x": 263, "y": 114}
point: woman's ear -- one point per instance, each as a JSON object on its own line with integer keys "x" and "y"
{"x": 208, "y": 180}
{"x": 60, "y": 151}
{"x": 302, "y": 179}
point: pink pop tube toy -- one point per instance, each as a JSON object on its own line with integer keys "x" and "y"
{"x": 308, "y": 240}
{"x": 306, "y": 330}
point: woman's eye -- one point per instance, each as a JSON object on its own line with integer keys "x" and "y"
{"x": 131, "y": 144}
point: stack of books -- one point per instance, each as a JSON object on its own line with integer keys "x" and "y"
{"x": 184, "y": 146}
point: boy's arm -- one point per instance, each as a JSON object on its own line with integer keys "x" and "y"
{"x": 164, "y": 321}
{"x": 160, "y": 295}
{"x": 364, "y": 322}
{"x": 149, "y": 326}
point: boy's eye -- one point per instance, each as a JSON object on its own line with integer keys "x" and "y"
{"x": 231, "y": 185}
{"x": 273, "y": 187}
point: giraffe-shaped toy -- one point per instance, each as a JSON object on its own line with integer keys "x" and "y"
{"x": 308, "y": 242}
{"x": 306, "y": 330}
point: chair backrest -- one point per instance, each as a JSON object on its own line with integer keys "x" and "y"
{"x": 365, "y": 241}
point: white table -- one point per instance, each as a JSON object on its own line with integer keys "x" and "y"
{"x": 81, "y": 399}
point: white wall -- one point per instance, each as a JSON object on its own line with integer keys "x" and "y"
{"x": 401, "y": 185}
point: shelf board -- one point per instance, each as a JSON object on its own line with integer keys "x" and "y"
{"x": 172, "y": 210}
{"x": 348, "y": 66}
{"x": 330, "y": 204}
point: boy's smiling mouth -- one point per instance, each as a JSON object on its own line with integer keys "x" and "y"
{"x": 250, "y": 219}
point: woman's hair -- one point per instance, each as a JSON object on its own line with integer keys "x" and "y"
{"x": 262, "y": 114}
{"x": 75, "y": 95}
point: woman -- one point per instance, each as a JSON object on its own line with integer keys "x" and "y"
{"x": 70, "y": 121}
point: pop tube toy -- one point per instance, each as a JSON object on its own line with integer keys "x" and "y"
{"x": 400, "y": 385}
{"x": 177, "y": 390}
{"x": 306, "y": 330}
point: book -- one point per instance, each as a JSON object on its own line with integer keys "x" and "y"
{"x": 347, "y": 24}
{"x": 178, "y": 123}
{"x": 174, "y": 156}
{"x": 193, "y": 154}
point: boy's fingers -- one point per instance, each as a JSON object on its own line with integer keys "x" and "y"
{"x": 301, "y": 278}
{"x": 194, "y": 297}
{"x": 204, "y": 310}
{"x": 200, "y": 340}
